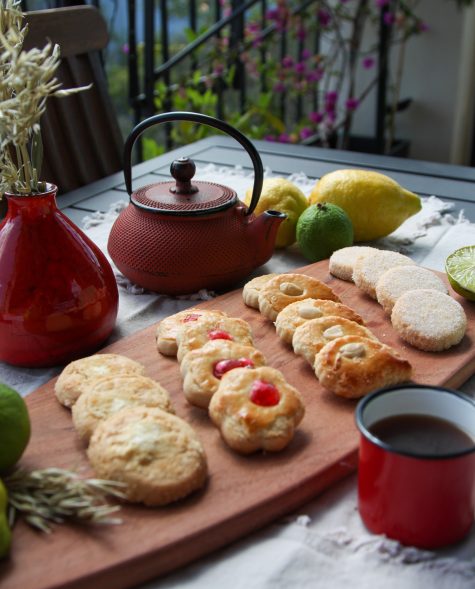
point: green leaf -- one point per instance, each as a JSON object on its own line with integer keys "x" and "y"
{"x": 36, "y": 153}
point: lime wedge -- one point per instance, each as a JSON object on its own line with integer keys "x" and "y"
{"x": 460, "y": 268}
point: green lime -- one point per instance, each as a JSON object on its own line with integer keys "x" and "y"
{"x": 460, "y": 268}
{"x": 14, "y": 427}
{"x": 322, "y": 229}
{"x": 5, "y": 533}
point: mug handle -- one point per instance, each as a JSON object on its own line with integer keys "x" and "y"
{"x": 204, "y": 120}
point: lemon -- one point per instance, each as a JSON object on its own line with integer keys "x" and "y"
{"x": 460, "y": 268}
{"x": 14, "y": 427}
{"x": 279, "y": 194}
{"x": 322, "y": 229}
{"x": 5, "y": 533}
{"x": 375, "y": 203}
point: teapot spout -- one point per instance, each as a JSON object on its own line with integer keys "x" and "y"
{"x": 264, "y": 232}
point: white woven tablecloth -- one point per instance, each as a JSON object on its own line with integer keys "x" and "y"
{"x": 325, "y": 545}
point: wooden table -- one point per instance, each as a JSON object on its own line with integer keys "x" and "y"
{"x": 446, "y": 181}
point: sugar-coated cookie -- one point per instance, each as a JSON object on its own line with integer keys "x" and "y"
{"x": 429, "y": 320}
{"x": 342, "y": 262}
{"x": 111, "y": 394}
{"x": 256, "y": 409}
{"x": 251, "y": 290}
{"x": 169, "y": 327}
{"x": 298, "y": 313}
{"x": 352, "y": 366}
{"x": 78, "y": 376}
{"x": 156, "y": 454}
{"x": 192, "y": 337}
{"x": 203, "y": 369}
{"x": 369, "y": 269}
{"x": 396, "y": 281}
{"x": 310, "y": 337}
{"x": 284, "y": 289}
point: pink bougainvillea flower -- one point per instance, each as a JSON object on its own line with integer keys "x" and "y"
{"x": 300, "y": 67}
{"x": 305, "y": 133}
{"x": 315, "y": 117}
{"x": 331, "y": 97}
{"x": 306, "y": 53}
{"x": 287, "y": 61}
{"x": 279, "y": 87}
{"x": 284, "y": 138}
{"x": 315, "y": 75}
{"x": 269, "y": 138}
{"x": 389, "y": 18}
{"x": 368, "y": 62}
{"x": 382, "y": 3}
{"x": 422, "y": 26}
{"x": 324, "y": 17}
{"x": 301, "y": 33}
{"x": 352, "y": 103}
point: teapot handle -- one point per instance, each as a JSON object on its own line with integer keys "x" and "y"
{"x": 205, "y": 120}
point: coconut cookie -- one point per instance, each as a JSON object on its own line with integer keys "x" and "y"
{"x": 369, "y": 269}
{"x": 284, "y": 289}
{"x": 429, "y": 320}
{"x": 251, "y": 290}
{"x": 204, "y": 368}
{"x": 310, "y": 337}
{"x": 396, "y": 281}
{"x": 192, "y": 337}
{"x": 156, "y": 454}
{"x": 169, "y": 327}
{"x": 342, "y": 262}
{"x": 78, "y": 376}
{"x": 296, "y": 314}
{"x": 352, "y": 366}
{"x": 109, "y": 395}
{"x": 256, "y": 409}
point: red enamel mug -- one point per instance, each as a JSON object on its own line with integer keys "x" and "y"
{"x": 417, "y": 485}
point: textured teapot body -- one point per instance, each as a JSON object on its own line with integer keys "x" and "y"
{"x": 180, "y": 254}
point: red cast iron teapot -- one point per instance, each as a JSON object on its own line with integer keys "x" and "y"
{"x": 178, "y": 237}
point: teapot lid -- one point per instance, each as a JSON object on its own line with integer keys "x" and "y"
{"x": 183, "y": 197}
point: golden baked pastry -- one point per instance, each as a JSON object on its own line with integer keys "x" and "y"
{"x": 203, "y": 369}
{"x": 429, "y": 320}
{"x": 251, "y": 290}
{"x": 109, "y": 395}
{"x": 79, "y": 375}
{"x": 311, "y": 336}
{"x": 284, "y": 289}
{"x": 352, "y": 366}
{"x": 369, "y": 269}
{"x": 256, "y": 409}
{"x": 192, "y": 337}
{"x": 298, "y": 313}
{"x": 156, "y": 454}
{"x": 169, "y": 327}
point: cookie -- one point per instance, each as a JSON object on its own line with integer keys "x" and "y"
{"x": 342, "y": 262}
{"x": 429, "y": 320}
{"x": 256, "y": 409}
{"x": 192, "y": 337}
{"x": 298, "y": 313}
{"x": 369, "y": 269}
{"x": 352, "y": 366}
{"x": 109, "y": 395}
{"x": 156, "y": 454}
{"x": 311, "y": 336}
{"x": 251, "y": 290}
{"x": 202, "y": 369}
{"x": 284, "y": 289}
{"x": 78, "y": 376}
{"x": 396, "y": 281}
{"x": 169, "y": 327}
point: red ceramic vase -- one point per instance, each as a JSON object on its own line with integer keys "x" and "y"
{"x": 58, "y": 294}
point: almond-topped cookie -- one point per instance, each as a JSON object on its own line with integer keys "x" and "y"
{"x": 169, "y": 328}
{"x": 311, "y": 336}
{"x": 192, "y": 337}
{"x": 284, "y": 289}
{"x": 251, "y": 290}
{"x": 203, "y": 369}
{"x": 352, "y": 366}
{"x": 296, "y": 314}
{"x": 256, "y": 409}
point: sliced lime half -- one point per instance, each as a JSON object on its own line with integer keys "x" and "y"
{"x": 460, "y": 268}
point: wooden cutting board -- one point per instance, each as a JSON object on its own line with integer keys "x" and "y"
{"x": 242, "y": 494}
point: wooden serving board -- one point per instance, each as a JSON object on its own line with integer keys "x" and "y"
{"x": 243, "y": 493}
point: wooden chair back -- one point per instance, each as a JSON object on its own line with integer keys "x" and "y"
{"x": 81, "y": 136}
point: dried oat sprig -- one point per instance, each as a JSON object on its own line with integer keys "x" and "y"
{"x": 27, "y": 80}
{"x": 55, "y": 495}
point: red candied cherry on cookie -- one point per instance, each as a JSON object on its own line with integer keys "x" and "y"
{"x": 219, "y": 334}
{"x": 224, "y": 366}
{"x": 192, "y": 317}
{"x": 264, "y": 393}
